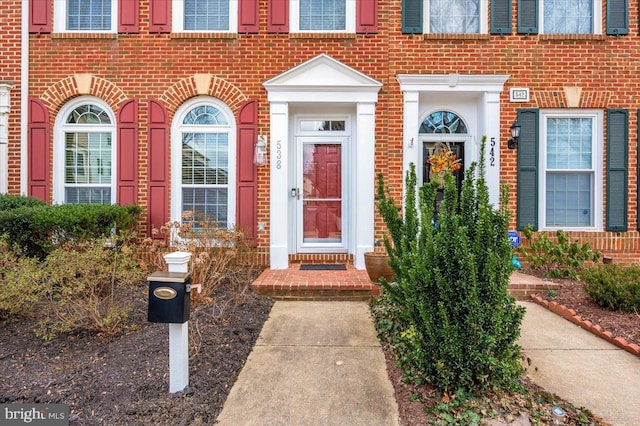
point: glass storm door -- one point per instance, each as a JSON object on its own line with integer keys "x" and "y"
{"x": 320, "y": 195}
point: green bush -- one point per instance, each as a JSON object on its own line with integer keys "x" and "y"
{"x": 9, "y": 202}
{"x": 560, "y": 259}
{"x": 613, "y": 286}
{"x": 36, "y": 229}
{"x": 455, "y": 325}
{"x": 91, "y": 287}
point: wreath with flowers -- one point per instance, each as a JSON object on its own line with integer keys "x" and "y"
{"x": 442, "y": 161}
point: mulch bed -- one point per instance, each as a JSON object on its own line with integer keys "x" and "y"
{"x": 124, "y": 379}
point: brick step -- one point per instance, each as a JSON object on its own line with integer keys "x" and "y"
{"x": 315, "y": 258}
{"x": 294, "y": 284}
{"x": 522, "y": 286}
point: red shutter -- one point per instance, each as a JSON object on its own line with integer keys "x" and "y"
{"x": 247, "y": 172}
{"x": 127, "y": 167}
{"x": 40, "y": 16}
{"x": 248, "y": 11}
{"x": 367, "y": 16}
{"x": 38, "y": 150}
{"x": 160, "y": 16}
{"x": 158, "y": 193}
{"x": 128, "y": 16}
{"x": 278, "y": 16}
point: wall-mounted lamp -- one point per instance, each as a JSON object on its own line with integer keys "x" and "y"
{"x": 515, "y": 135}
{"x": 260, "y": 154}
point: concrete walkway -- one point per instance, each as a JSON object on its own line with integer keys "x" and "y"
{"x": 580, "y": 367}
{"x": 315, "y": 363}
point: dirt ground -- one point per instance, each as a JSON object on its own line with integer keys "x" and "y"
{"x": 123, "y": 379}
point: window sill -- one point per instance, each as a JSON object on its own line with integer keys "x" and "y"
{"x": 216, "y": 36}
{"x": 480, "y": 37}
{"x": 572, "y": 37}
{"x": 319, "y": 36}
{"x": 104, "y": 36}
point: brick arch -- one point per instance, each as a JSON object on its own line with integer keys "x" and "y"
{"x": 83, "y": 84}
{"x": 203, "y": 84}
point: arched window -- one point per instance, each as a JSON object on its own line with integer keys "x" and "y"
{"x": 84, "y": 153}
{"x": 204, "y": 162}
{"x": 443, "y": 122}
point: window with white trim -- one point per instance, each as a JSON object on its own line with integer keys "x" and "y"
{"x": 323, "y": 16}
{"x": 84, "y": 153}
{"x": 204, "y": 163}
{"x": 85, "y": 16}
{"x": 456, "y": 16}
{"x": 205, "y": 16}
{"x": 571, "y": 16}
{"x": 571, "y": 170}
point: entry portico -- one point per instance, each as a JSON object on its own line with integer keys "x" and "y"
{"x": 322, "y": 90}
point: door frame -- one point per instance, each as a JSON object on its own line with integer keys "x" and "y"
{"x": 319, "y": 247}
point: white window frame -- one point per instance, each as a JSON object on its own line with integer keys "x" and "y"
{"x": 60, "y": 18}
{"x": 177, "y": 129}
{"x": 350, "y": 19}
{"x": 484, "y": 18}
{"x": 596, "y": 167}
{"x": 61, "y": 127}
{"x": 597, "y": 17}
{"x": 177, "y": 19}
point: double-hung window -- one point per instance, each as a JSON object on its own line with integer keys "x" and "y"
{"x": 571, "y": 172}
{"x": 204, "y": 164}
{"x": 205, "y": 16}
{"x": 571, "y": 16}
{"x": 85, "y": 15}
{"x": 323, "y": 15}
{"x": 455, "y": 16}
{"x": 84, "y": 154}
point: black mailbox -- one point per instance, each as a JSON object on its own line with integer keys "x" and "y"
{"x": 169, "y": 297}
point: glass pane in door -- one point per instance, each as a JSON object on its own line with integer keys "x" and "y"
{"x": 322, "y": 193}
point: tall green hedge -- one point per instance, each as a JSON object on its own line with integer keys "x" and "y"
{"x": 457, "y": 324}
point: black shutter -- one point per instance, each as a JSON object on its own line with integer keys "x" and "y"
{"x": 617, "y": 17}
{"x": 528, "y": 16}
{"x": 501, "y": 17}
{"x": 617, "y": 163}
{"x": 412, "y": 16}
{"x": 527, "y": 191}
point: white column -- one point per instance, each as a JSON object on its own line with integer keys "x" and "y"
{"x": 279, "y": 191}
{"x": 490, "y": 126}
{"x": 364, "y": 160}
{"x": 178, "y": 333}
{"x": 5, "y": 109}
{"x": 411, "y": 125}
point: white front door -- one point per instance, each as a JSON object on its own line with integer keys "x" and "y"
{"x": 320, "y": 194}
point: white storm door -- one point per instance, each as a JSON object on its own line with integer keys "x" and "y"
{"x": 320, "y": 195}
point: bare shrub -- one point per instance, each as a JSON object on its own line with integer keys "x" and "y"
{"x": 219, "y": 257}
{"x": 90, "y": 287}
{"x": 20, "y": 284}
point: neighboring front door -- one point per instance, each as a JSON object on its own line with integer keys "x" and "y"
{"x": 320, "y": 197}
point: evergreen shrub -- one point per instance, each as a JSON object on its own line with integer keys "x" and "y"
{"x": 455, "y": 325}
{"x": 613, "y": 286}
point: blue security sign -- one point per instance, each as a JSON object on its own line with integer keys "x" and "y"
{"x": 514, "y": 238}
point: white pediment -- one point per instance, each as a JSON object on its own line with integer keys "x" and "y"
{"x": 322, "y": 74}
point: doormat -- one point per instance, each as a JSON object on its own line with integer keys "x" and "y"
{"x": 322, "y": 267}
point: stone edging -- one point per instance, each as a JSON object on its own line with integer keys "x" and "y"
{"x": 570, "y": 314}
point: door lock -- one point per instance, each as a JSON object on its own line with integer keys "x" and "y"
{"x": 295, "y": 193}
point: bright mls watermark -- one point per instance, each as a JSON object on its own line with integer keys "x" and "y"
{"x": 34, "y": 414}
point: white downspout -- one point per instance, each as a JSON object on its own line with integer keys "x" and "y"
{"x": 24, "y": 100}
{"x": 5, "y": 109}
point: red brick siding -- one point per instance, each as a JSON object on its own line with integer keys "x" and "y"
{"x": 161, "y": 66}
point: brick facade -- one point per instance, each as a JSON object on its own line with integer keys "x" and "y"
{"x": 174, "y": 67}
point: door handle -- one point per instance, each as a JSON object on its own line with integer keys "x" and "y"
{"x": 295, "y": 192}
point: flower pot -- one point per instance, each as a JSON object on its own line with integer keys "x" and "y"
{"x": 377, "y": 265}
